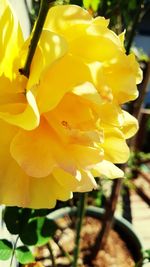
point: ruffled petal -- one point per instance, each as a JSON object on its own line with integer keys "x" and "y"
{"x": 44, "y": 192}
{"x": 130, "y": 125}
{"x": 122, "y": 76}
{"x": 107, "y": 169}
{"x": 87, "y": 182}
{"x": 88, "y": 92}
{"x": 57, "y": 81}
{"x": 6, "y": 134}
{"x": 110, "y": 114}
{"x": 106, "y": 44}
{"x": 30, "y": 192}
{"x": 32, "y": 151}
{"x": 11, "y": 39}
{"x": 60, "y": 18}
{"x": 50, "y": 48}
{"x": 86, "y": 156}
{"x": 16, "y": 187}
{"x": 27, "y": 118}
{"x": 115, "y": 147}
{"x": 83, "y": 181}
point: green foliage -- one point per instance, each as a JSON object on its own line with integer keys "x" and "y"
{"x": 146, "y": 254}
{"x": 24, "y": 255}
{"x": 31, "y": 226}
{"x": 94, "y": 4}
{"x": 15, "y": 218}
{"x": 5, "y": 249}
{"x": 38, "y": 231}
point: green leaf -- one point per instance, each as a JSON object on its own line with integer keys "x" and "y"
{"x": 12, "y": 219}
{"x": 95, "y": 4}
{"x": 91, "y": 3}
{"x": 24, "y": 255}
{"x": 15, "y": 218}
{"x": 86, "y": 3}
{"x": 38, "y": 231}
{"x": 146, "y": 254}
{"x": 5, "y": 249}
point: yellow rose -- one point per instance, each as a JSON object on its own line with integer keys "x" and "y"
{"x": 64, "y": 125}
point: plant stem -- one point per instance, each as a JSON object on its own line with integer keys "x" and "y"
{"x": 134, "y": 26}
{"x": 107, "y": 219}
{"x": 13, "y": 252}
{"x": 80, "y": 216}
{"x": 44, "y": 7}
{"x": 127, "y": 212}
{"x": 51, "y": 254}
{"x": 65, "y": 253}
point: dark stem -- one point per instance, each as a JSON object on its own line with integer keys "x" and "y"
{"x": 80, "y": 216}
{"x": 49, "y": 247}
{"x": 141, "y": 193}
{"x": 106, "y": 222}
{"x": 126, "y": 202}
{"x": 142, "y": 89}
{"x": 13, "y": 252}
{"x": 44, "y": 7}
{"x": 134, "y": 26}
{"x": 137, "y": 108}
{"x": 64, "y": 252}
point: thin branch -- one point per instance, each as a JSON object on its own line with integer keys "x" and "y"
{"x": 106, "y": 222}
{"x": 44, "y": 7}
{"x": 80, "y": 216}
{"x": 13, "y": 252}
{"x": 49, "y": 247}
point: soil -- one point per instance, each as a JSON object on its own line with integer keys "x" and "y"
{"x": 115, "y": 253}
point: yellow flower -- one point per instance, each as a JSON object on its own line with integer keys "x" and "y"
{"x": 64, "y": 125}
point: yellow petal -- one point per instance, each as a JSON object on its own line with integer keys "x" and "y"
{"x": 82, "y": 182}
{"x": 50, "y": 48}
{"x": 60, "y": 18}
{"x": 11, "y": 39}
{"x": 99, "y": 81}
{"x": 115, "y": 147}
{"x": 121, "y": 76}
{"x": 45, "y": 191}
{"x": 74, "y": 121}
{"x": 29, "y": 192}
{"x": 6, "y": 134}
{"x": 107, "y": 169}
{"x": 67, "y": 180}
{"x": 86, "y": 156}
{"x": 16, "y": 187}
{"x": 40, "y": 150}
{"x": 28, "y": 118}
{"x": 106, "y": 44}
{"x": 130, "y": 125}
{"x": 32, "y": 151}
{"x": 88, "y": 92}
{"x": 122, "y": 38}
{"x": 12, "y": 91}
{"x": 110, "y": 114}
{"x": 101, "y": 21}
{"x": 87, "y": 182}
{"x": 57, "y": 81}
